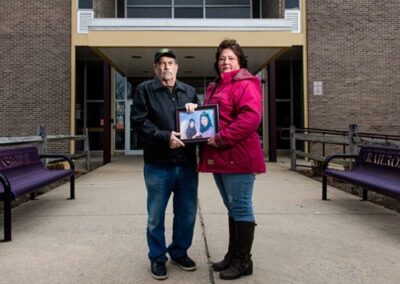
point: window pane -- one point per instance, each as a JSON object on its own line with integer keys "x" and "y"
{"x": 149, "y": 13}
{"x": 85, "y": 4}
{"x": 119, "y": 87}
{"x": 227, "y": 2}
{"x": 94, "y": 80}
{"x": 188, "y": 12}
{"x": 291, "y": 4}
{"x": 120, "y": 139}
{"x": 283, "y": 114}
{"x": 119, "y": 125}
{"x": 94, "y": 114}
{"x": 188, "y": 2}
{"x": 150, "y": 3}
{"x": 96, "y": 141}
{"x": 227, "y": 12}
{"x": 282, "y": 75}
{"x": 129, "y": 90}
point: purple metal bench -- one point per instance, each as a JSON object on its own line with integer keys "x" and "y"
{"x": 22, "y": 172}
{"x": 376, "y": 168}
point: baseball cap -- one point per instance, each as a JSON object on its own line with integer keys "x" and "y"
{"x": 163, "y": 52}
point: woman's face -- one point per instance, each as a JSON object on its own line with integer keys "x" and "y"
{"x": 204, "y": 120}
{"x": 191, "y": 123}
{"x": 228, "y": 61}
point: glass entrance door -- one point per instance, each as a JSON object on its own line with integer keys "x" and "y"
{"x": 131, "y": 141}
{"x": 125, "y": 139}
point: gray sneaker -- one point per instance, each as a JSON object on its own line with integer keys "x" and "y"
{"x": 158, "y": 270}
{"x": 184, "y": 262}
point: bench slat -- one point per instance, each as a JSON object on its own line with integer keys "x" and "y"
{"x": 26, "y": 180}
{"x": 377, "y": 168}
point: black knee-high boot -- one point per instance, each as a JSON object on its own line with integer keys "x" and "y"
{"x": 224, "y": 264}
{"x": 241, "y": 263}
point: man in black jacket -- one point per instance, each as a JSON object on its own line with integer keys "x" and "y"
{"x": 169, "y": 164}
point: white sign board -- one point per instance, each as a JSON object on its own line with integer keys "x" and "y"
{"x": 317, "y": 90}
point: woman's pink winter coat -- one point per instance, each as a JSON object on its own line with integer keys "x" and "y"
{"x": 238, "y": 95}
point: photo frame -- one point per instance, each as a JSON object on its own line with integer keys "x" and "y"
{"x": 198, "y": 126}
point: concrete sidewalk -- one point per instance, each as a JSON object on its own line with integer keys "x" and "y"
{"x": 100, "y": 236}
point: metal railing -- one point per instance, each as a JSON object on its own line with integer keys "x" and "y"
{"x": 349, "y": 140}
{"x": 43, "y": 139}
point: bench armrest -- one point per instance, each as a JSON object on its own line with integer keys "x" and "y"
{"x": 6, "y": 184}
{"x": 63, "y": 157}
{"x": 331, "y": 157}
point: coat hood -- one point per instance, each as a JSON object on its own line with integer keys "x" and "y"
{"x": 242, "y": 74}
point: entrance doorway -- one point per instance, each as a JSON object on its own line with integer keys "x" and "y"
{"x": 289, "y": 96}
{"x": 125, "y": 139}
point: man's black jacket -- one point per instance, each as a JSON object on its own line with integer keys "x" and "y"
{"x": 153, "y": 117}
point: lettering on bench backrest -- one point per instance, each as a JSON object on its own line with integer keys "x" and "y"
{"x": 15, "y": 158}
{"x": 384, "y": 157}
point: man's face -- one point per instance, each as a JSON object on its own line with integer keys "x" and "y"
{"x": 166, "y": 69}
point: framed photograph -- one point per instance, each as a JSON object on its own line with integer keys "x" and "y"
{"x": 199, "y": 125}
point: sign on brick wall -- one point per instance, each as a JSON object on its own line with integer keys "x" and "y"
{"x": 317, "y": 88}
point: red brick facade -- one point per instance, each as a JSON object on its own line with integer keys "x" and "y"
{"x": 104, "y": 8}
{"x": 273, "y": 9}
{"x": 353, "y": 48}
{"x": 35, "y": 80}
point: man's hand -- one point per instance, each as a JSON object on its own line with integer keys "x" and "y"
{"x": 174, "y": 141}
{"x": 190, "y": 107}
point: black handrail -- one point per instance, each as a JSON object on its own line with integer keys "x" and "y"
{"x": 341, "y": 132}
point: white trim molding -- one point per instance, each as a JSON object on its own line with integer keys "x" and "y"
{"x": 190, "y": 24}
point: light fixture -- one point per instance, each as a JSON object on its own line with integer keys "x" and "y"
{"x": 190, "y": 57}
{"x": 136, "y": 56}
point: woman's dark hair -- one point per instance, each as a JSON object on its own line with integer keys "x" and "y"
{"x": 237, "y": 50}
{"x": 192, "y": 120}
{"x": 191, "y": 131}
{"x": 209, "y": 124}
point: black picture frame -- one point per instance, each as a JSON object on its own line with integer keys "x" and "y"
{"x": 197, "y": 132}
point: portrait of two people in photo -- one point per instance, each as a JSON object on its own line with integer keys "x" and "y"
{"x": 199, "y": 125}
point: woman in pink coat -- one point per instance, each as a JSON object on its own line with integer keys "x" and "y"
{"x": 234, "y": 155}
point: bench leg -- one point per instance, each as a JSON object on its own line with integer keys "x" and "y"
{"x": 364, "y": 194}
{"x": 7, "y": 219}
{"x": 72, "y": 187}
{"x": 32, "y": 196}
{"x": 324, "y": 187}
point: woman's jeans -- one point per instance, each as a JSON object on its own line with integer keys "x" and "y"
{"x": 237, "y": 191}
{"x": 161, "y": 181}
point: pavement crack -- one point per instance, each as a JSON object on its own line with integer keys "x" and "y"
{"x": 210, "y": 271}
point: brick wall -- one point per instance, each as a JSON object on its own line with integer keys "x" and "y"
{"x": 273, "y": 9}
{"x": 35, "y": 66}
{"x": 353, "y": 47}
{"x": 104, "y": 8}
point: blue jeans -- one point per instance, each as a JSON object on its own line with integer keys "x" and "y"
{"x": 161, "y": 181}
{"x": 237, "y": 193}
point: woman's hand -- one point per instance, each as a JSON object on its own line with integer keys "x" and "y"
{"x": 190, "y": 107}
{"x": 212, "y": 142}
